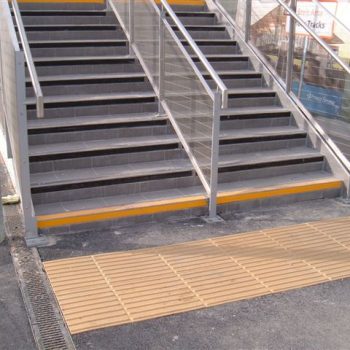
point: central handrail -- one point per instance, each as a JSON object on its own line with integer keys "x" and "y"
{"x": 29, "y": 60}
{"x": 220, "y": 84}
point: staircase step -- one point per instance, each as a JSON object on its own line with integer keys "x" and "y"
{"x": 85, "y": 65}
{"x": 112, "y": 208}
{"x": 90, "y": 83}
{"x": 39, "y": 126}
{"x": 101, "y": 147}
{"x": 77, "y": 43}
{"x": 70, "y": 27}
{"x": 92, "y": 100}
{"x": 103, "y": 176}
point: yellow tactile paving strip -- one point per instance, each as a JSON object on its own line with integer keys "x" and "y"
{"x": 116, "y": 288}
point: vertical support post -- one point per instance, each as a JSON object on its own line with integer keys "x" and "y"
{"x": 290, "y": 53}
{"x": 248, "y": 20}
{"x": 161, "y": 59}
{"x": 302, "y": 68}
{"x": 22, "y": 157}
{"x": 131, "y": 25}
{"x": 214, "y": 156}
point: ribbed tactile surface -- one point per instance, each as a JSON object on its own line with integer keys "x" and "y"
{"x": 111, "y": 289}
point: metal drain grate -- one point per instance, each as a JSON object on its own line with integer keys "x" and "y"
{"x": 48, "y": 327}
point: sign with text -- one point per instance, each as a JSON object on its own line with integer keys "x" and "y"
{"x": 316, "y": 17}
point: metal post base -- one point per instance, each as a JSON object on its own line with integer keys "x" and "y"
{"x": 212, "y": 220}
{"x": 344, "y": 200}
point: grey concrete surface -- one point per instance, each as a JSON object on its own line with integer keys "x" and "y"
{"x": 316, "y": 317}
{"x": 15, "y": 332}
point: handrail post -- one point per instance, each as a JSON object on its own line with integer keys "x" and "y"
{"x": 290, "y": 53}
{"x": 214, "y": 156}
{"x": 248, "y": 20}
{"x": 131, "y": 25}
{"x": 161, "y": 59}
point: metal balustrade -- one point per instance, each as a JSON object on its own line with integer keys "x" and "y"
{"x": 315, "y": 78}
{"x": 13, "y": 112}
{"x": 193, "y": 107}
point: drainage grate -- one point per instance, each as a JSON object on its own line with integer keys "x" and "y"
{"x": 48, "y": 327}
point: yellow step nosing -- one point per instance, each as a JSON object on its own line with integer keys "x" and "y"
{"x": 182, "y": 203}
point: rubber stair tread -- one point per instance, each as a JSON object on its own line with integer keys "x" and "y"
{"x": 249, "y": 90}
{"x": 92, "y": 97}
{"x": 254, "y": 110}
{"x": 246, "y": 186}
{"x": 76, "y": 41}
{"x": 268, "y": 156}
{"x": 81, "y": 58}
{"x": 75, "y": 25}
{"x": 97, "y": 145}
{"x": 89, "y": 76}
{"x": 34, "y": 124}
{"x": 260, "y": 132}
{"x": 110, "y": 172}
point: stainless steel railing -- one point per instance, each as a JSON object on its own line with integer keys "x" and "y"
{"x": 312, "y": 75}
{"x": 185, "y": 96}
{"x": 14, "y": 135}
{"x": 29, "y": 59}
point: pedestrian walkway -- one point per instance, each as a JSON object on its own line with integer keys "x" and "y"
{"x": 116, "y": 288}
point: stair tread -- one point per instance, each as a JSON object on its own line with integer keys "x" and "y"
{"x": 81, "y": 58}
{"x": 92, "y": 97}
{"x": 240, "y": 187}
{"x": 260, "y": 132}
{"x": 92, "y": 120}
{"x": 77, "y": 41}
{"x": 110, "y": 172}
{"x": 96, "y": 145}
{"x": 71, "y": 176}
{"x": 250, "y": 90}
{"x": 254, "y": 110}
{"x": 75, "y": 25}
{"x": 89, "y": 76}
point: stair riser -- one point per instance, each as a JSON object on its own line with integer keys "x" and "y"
{"x": 256, "y": 101}
{"x": 214, "y": 49}
{"x": 118, "y": 189}
{"x": 39, "y": 20}
{"x": 117, "y": 67}
{"x": 240, "y": 83}
{"x": 269, "y": 172}
{"x": 254, "y": 123}
{"x": 107, "y": 160}
{"x": 103, "y": 87}
{"x": 81, "y": 51}
{"x": 116, "y": 34}
{"x": 260, "y": 146}
{"x": 206, "y": 34}
{"x": 226, "y": 65}
{"x": 189, "y": 8}
{"x": 192, "y": 20}
{"x": 51, "y": 6}
{"x": 102, "y": 134}
{"x": 102, "y": 110}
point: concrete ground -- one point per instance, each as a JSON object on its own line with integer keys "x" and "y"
{"x": 315, "y": 317}
{"x": 15, "y": 332}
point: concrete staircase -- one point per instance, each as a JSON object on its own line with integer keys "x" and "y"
{"x": 102, "y": 153}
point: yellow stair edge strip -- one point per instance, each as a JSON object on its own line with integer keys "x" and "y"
{"x": 177, "y": 204}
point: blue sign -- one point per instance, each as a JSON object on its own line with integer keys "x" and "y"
{"x": 320, "y": 100}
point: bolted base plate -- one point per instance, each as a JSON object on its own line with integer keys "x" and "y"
{"x": 212, "y": 220}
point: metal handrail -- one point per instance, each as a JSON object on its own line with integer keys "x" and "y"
{"x": 220, "y": 84}
{"x": 29, "y": 60}
{"x": 315, "y": 36}
{"x": 331, "y": 14}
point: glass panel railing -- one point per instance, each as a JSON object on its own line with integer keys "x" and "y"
{"x": 189, "y": 103}
{"x": 320, "y": 82}
{"x": 184, "y": 95}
